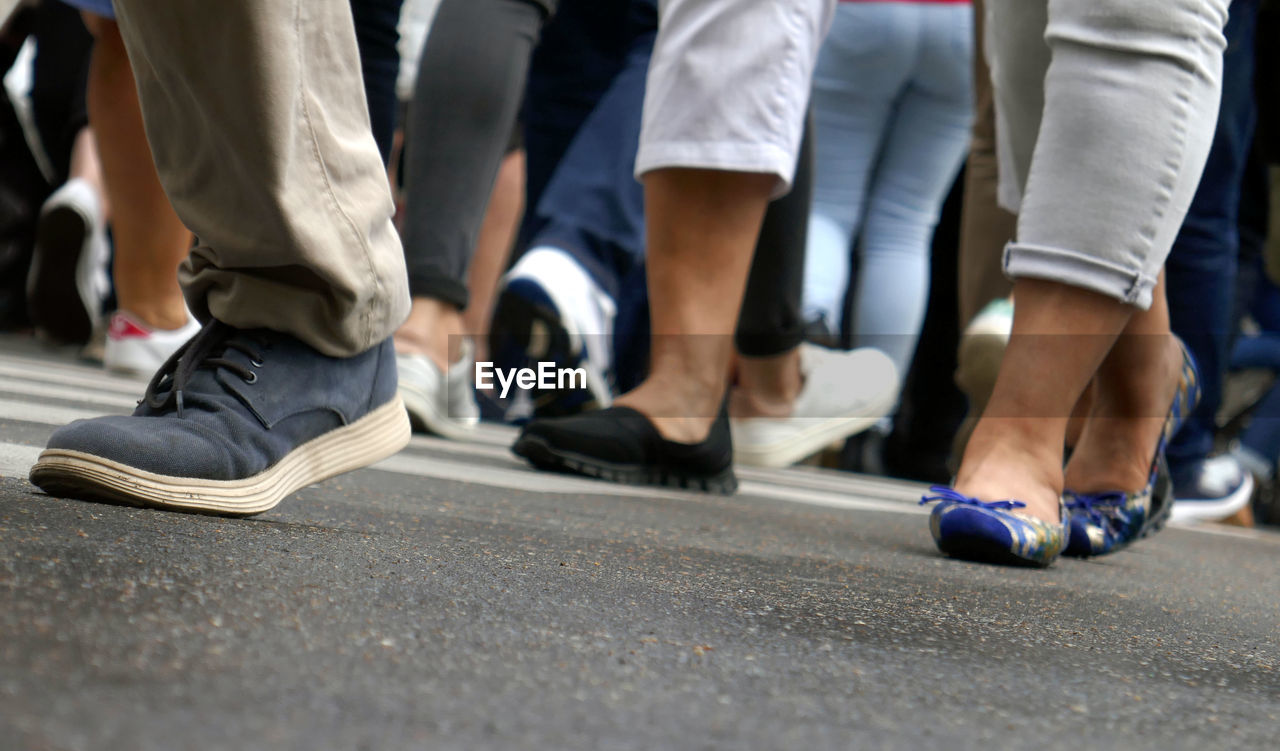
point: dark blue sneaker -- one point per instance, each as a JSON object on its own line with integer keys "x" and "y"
{"x": 549, "y": 309}
{"x": 1211, "y": 489}
{"x": 231, "y": 424}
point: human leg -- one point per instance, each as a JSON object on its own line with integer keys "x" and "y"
{"x": 923, "y": 149}
{"x": 321, "y": 205}
{"x": 985, "y": 227}
{"x": 150, "y": 240}
{"x": 712, "y": 156}
{"x": 66, "y": 283}
{"x": 1076, "y": 281}
{"x": 493, "y": 248}
{"x": 560, "y": 301}
{"x": 377, "y": 35}
{"x": 790, "y": 399}
{"x": 459, "y": 123}
{"x": 1202, "y": 266}
{"x": 862, "y": 69}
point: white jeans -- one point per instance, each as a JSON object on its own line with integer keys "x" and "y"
{"x": 1105, "y": 113}
{"x": 729, "y": 83}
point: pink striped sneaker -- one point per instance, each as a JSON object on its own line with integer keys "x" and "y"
{"x": 135, "y": 348}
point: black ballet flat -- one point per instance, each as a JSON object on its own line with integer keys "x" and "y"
{"x": 620, "y": 445}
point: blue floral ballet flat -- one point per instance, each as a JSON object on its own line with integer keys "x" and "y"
{"x": 992, "y": 531}
{"x": 1103, "y": 523}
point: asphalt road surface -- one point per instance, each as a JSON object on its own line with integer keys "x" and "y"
{"x": 451, "y": 598}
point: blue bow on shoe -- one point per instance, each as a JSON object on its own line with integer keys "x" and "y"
{"x": 965, "y": 527}
{"x": 945, "y": 493}
{"x": 1106, "y": 522}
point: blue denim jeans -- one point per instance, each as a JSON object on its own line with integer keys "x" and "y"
{"x": 893, "y": 103}
{"x": 589, "y": 203}
{"x": 1200, "y": 273}
{"x": 377, "y": 35}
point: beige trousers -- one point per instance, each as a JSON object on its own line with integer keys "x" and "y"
{"x": 256, "y": 115}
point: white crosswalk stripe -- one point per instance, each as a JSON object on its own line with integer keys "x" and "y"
{"x": 38, "y": 389}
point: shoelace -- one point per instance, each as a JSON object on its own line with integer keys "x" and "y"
{"x": 949, "y": 495}
{"x": 204, "y": 350}
{"x": 1099, "y": 507}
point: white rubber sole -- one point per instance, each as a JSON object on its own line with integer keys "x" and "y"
{"x": 445, "y": 426}
{"x": 372, "y": 438}
{"x": 1186, "y": 511}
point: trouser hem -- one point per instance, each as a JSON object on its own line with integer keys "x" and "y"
{"x": 1134, "y": 287}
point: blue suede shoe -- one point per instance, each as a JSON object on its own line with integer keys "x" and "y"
{"x": 1103, "y": 523}
{"x": 992, "y": 531}
{"x": 231, "y": 424}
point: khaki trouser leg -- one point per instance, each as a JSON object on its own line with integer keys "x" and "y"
{"x": 985, "y": 228}
{"x": 256, "y": 116}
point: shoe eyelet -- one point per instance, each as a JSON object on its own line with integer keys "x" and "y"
{"x": 255, "y": 362}
{"x": 252, "y": 378}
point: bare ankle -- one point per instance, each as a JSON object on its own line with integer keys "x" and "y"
{"x": 767, "y": 386}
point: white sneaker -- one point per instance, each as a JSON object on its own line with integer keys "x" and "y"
{"x": 844, "y": 393}
{"x": 67, "y": 281}
{"x": 440, "y": 403}
{"x": 137, "y": 349}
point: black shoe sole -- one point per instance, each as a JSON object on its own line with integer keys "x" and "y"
{"x": 543, "y": 456}
{"x": 981, "y": 550}
{"x": 53, "y": 299}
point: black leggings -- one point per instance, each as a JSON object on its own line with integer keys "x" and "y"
{"x": 771, "y": 323}
{"x": 470, "y": 84}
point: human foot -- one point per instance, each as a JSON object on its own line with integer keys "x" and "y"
{"x": 665, "y": 432}
{"x": 551, "y": 309}
{"x": 134, "y": 347}
{"x": 839, "y": 394}
{"x": 1005, "y": 506}
{"x": 1129, "y": 418}
{"x": 233, "y": 423}
{"x": 433, "y": 330}
{"x": 1117, "y": 498}
{"x": 440, "y": 401}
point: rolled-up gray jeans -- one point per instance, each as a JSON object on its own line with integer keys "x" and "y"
{"x": 1105, "y": 113}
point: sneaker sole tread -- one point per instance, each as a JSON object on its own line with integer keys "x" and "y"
{"x": 374, "y": 437}
{"x": 542, "y": 456}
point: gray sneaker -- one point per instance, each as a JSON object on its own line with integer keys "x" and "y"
{"x": 233, "y": 423}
